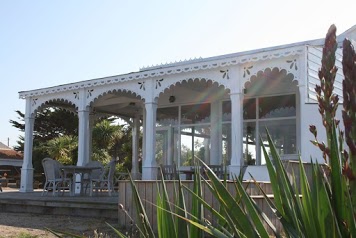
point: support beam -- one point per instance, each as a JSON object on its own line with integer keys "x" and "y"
{"x": 216, "y": 143}
{"x": 83, "y": 134}
{"x": 27, "y": 167}
{"x": 135, "y": 146}
{"x": 236, "y": 133}
{"x": 149, "y": 167}
{"x": 83, "y": 143}
{"x": 90, "y": 137}
{"x": 170, "y": 146}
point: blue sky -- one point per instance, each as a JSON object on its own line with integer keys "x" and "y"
{"x": 46, "y": 43}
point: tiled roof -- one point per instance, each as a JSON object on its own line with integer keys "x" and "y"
{"x": 4, "y": 147}
{"x": 8, "y": 153}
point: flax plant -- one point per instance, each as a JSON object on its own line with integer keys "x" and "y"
{"x": 349, "y": 115}
{"x": 327, "y": 101}
{"x": 322, "y": 207}
{"x": 341, "y": 162}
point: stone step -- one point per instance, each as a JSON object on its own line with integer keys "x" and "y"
{"x": 101, "y": 206}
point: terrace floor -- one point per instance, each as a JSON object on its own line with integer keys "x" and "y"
{"x": 99, "y": 205}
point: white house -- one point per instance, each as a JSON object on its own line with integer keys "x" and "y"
{"x": 211, "y": 108}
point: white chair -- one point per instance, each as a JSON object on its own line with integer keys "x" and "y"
{"x": 106, "y": 181}
{"x": 54, "y": 177}
{"x": 169, "y": 172}
{"x": 95, "y": 176}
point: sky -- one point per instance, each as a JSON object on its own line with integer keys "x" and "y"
{"x": 47, "y": 43}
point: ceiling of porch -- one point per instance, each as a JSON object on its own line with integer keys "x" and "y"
{"x": 191, "y": 92}
{"x": 125, "y": 104}
{"x": 121, "y": 104}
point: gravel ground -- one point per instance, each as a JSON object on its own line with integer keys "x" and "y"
{"x": 32, "y": 225}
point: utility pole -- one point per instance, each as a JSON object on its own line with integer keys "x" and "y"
{"x": 8, "y": 141}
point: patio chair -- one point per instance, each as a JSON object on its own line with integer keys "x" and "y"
{"x": 217, "y": 169}
{"x": 55, "y": 179}
{"x": 95, "y": 176}
{"x": 169, "y": 172}
{"x": 106, "y": 180}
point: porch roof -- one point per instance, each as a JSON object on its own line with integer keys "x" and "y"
{"x": 180, "y": 67}
{"x": 191, "y": 65}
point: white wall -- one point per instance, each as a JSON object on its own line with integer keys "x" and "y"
{"x": 311, "y": 116}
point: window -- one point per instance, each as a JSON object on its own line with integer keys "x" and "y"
{"x": 183, "y": 133}
{"x": 278, "y": 115}
{"x": 167, "y": 116}
{"x": 195, "y": 114}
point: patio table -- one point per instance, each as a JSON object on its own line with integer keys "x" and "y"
{"x": 188, "y": 172}
{"x": 75, "y": 170}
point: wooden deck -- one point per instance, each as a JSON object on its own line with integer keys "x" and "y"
{"x": 105, "y": 206}
{"x": 102, "y": 206}
{"x": 148, "y": 193}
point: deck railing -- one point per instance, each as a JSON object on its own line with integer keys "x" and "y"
{"x": 148, "y": 194}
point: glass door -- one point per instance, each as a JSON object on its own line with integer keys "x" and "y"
{"x": 165, "y": 145}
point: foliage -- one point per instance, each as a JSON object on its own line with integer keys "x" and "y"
{"x": 321, "y": 207}
{"x": 61, "y": 148}
{"x": 26, "y": 235}
{"x": 56, "y": 135}
{"x": 50, "y": 123}
{"x": 349, "y": 116}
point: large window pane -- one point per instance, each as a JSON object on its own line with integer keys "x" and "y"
{"x": 167, "y": 116}
{"x": 283, "y": 134}
{"x": 278, "y": 106}
{"x": 226, "y": 143}
{"x": 161, "y": 146}
{"x": 166, "y": 145}
{"x": 249, "y": 143}
{"x": 195, "y": 143}
{"x": 249, "y": 108}
{"x": 226, "y": 111}
{"x": 193, "y": 114}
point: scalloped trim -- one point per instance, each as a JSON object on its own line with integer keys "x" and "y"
{"x": 203, "y": 65}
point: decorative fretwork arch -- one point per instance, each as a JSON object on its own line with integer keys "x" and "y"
{"x": 270, "y": 79}
{"x": 97, "y": 97}
{"x": 218, "y": 76}
{"x": 38, "y": 104}
{"x": 289, "y": 65}
{"x": 214, "y": 83}
{"x": 95, "y": 93}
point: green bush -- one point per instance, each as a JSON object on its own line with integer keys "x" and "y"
{"x": 324, "y": 207}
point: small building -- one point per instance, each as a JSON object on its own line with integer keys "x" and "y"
{"x": 215, "y": 109}
{"x": 10, "y": 162}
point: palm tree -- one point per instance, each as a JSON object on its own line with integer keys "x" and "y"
{"x": 62, "y": 148}
{"x": 105, "y": 137}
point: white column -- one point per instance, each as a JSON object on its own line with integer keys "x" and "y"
{"x": 90, "y": 137}
{"x": 170, "y": 144}
{"x": 304, "y": 117}
{"x": 83, "y": 143}
{"x": 236, "y": 133}
{"x": 83, "y": 132}
{"x": 216, "y": 144}
{"x": 27, "y": 168}
{"x": 149, "y": 166}
{"x": 143, "y": 136}
{"x": 302, "y": 123}
{"x": 207, "y": 151}
{"x": 135, "y": 146}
